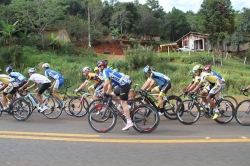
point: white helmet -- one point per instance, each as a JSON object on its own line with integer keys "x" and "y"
{"x": 86, "y": 69}
{"x": 45, "y": 65}
{"x": 32, "y": 70}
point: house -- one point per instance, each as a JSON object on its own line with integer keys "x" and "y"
{"x": 194, "y": 41}
{"x": 61, "y": 33}
{"x": 169, "y": 47}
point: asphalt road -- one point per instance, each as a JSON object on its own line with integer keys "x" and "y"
{"x": 70, "y": 141}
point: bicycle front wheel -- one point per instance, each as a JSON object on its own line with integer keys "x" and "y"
{"x": 188, "y": 112}
{"x": 78, "y": 106}
{"x": 242, "y": 113}
{"x": 170, "y": 107}
{"x": 21, "y": 109}
{"x": 145, "y": 118}
{"x": 102, "y": 118}
{"x": 232, "y": 100}
{"x": 54, "y": 108}
{"x": 226, "y": 109}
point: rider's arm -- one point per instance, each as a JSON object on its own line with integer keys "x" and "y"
{"x": 197, "y": 87}
{"x": 24, "y": 86}
{"x": 86, "y": 82}
{"x": 3, "y": 87}
{"x": 32, "y": 86}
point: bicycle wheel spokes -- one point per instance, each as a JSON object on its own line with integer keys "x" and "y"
{"x": 188, "y": 112}
{"x": 226, "y": 109}
{"x": 78, "y": 107}
{"x": 54, "y": 109}
{"x": 145, "y": 118}
{"x": 232, "y": 100}
{"x": 242, "y": 114}
{"x": 101, "y": 119}
{"x": 170, "y": 107}
{"x": 21, "y": 109}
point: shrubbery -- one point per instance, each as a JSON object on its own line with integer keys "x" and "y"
{"x": 11, "y": 55}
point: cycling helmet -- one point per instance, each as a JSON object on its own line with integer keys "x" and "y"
{"x": 96, "y": 68}
{"x": 32, "y": 70}
{"x": 207, "y": 67}
{"x": 102, "y": 63}
{"x": 191, "y": 73}
{"x": 146, "y": 69}
{"x": 45, "y": 65}
{"x": 9, "y": 69}
{"x": 197, "y": 67}
{"x": 86, "y": 69}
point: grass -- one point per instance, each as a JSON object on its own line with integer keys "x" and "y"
{"x": 176, "y": 66}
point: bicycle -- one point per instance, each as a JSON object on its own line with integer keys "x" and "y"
{"x": 52, "y": 112}
{"x": 189, "y": 111}
{"x": 18, "y": 107}
{"x": 230, "y": 98}
{"x": 103, "y": 116}
{"x": 242, "y": 111}
{"x": 170, "y": 103}
{"x": 79, "y": 105}
{"x": 65, "y": 98}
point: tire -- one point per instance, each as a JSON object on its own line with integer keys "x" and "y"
{"x": 227, "y": 111}
{"x": 145, "y": 118}
{"x": 20, "y": 109}
{"x": 93, "y": 103}
{"x": 77, "y": 107}
{"x": 188, "y": 112}
{"x": 104, "y": 121}
{"x": 232, "y": 100}
{"x": 54, "y": 108}
{"x": 1, "y": 107}
{"x": 170, "y": 107}
{"x": 242, "y": 113}
{"x": 66, "y": 109}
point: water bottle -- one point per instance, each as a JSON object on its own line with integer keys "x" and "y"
{"x": 35, "y": 99}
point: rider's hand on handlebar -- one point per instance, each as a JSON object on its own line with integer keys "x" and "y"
{"x": 244, "y": 90}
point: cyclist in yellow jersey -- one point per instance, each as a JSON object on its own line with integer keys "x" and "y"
{"x": 197, "y": 71}
{"x": 93, "y": 77}
{"x": 9, "y": 87}
{"x": 212, "y": 89}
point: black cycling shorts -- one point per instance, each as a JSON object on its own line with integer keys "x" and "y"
{"x": 122, "y": 91}
{"x": 43, "y": 88}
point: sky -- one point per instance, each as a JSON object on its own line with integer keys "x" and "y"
{"x": 194, "y": 5}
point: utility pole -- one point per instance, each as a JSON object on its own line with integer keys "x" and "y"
{"x": 89, "y": 30}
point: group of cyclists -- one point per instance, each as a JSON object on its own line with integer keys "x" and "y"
{"x": 110, "y": 81}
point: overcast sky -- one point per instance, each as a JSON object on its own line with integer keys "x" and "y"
{"x": 194, "y": 5}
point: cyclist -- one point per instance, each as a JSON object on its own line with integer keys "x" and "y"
{"x": 207, "y": 69}
{"x": 93, "y": 77}
{"x": 18, "y": 77}
{"x": 164, "y": 84}
{"x": 213, "y": 88}
{"x": 123, "y": 83}
{"x": 192, "y": 75}
{"x": 10, "y": 86}
{"x": 57, "y": 84}
{"x": 38, "y": 79}
{"x": 197, "y": 69}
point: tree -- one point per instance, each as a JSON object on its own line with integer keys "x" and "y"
{"x": 192, "y": 19}
{"x": 242, "y": 33}
{"x": 38, "y": 14}
{"x": 7, "y": 32}
{"x": 217, "y": 19}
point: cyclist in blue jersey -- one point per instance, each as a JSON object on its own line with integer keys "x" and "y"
{"x": 18, "y": 77}
{"x": 164, "y": 84}
{"x": 58, "y": 81}
{"x": 123, "y": 83}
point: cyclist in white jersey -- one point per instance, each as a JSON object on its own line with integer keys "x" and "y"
{"x": 44, "y": 82}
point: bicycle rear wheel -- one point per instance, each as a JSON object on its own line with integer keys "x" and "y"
{"x": 54, "y": 109}
{"x": 226, "y": 109}
{"x": 78, "y": 106}
{"x": 188, "y": 112}
{"x": 20, "y": 109}
{"x": 101, "y": 118}
{"x": 242, "y": 113}
{"x": 170, "y": 107}
{"x": 145, "y": 118}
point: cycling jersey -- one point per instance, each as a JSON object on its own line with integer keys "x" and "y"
{"x": 39, "y": 79}
{"x": 5, "y": 79}
{"x": 210, "y": 78}
{"x": 218, "y": 75}
{"x": 18, "y": 77}
{"x": 160, "y": 78}
{"x": 116, "y": 77}
{"x": 94, "y": 78}
{"x": 53, "y": 74}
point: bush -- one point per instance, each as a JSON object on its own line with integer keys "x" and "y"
{"x": 11, "y": 55}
